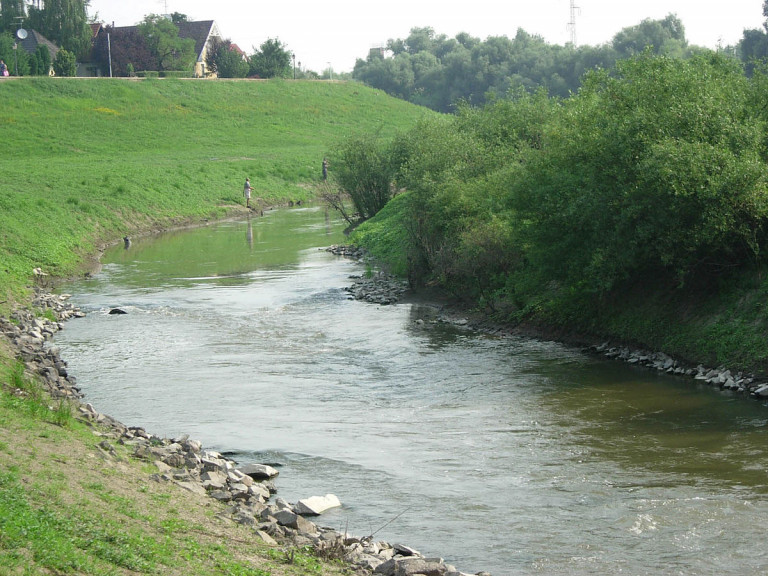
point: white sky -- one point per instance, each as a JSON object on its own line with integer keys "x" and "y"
{"x": 334, "y": 33}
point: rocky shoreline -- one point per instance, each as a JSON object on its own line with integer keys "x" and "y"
{"x": 246, "y": 491}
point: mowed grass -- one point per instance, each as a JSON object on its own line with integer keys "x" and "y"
{"x": 86, "y": 161}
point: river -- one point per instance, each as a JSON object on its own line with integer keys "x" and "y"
{"x": 509, "y": 455}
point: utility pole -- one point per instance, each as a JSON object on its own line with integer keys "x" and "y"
{"x": 572, "y": 22}
{"x": 109, "y": 52}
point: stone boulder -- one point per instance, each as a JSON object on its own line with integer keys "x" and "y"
{"x": 258, "y": 471}
{"x": 316, "y": 505}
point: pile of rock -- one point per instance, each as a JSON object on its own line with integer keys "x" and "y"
{"x": 380, "y": 288}
{"x": 247, "y": 490}
{"x": 29, "y": 332}
{"x": 718, "y": 377}
{"x": 347, "y": 250}
{"x": 377, "y": 288}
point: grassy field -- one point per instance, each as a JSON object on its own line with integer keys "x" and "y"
{"x": 87, "y": 161}
{"x": 84, "y": 163}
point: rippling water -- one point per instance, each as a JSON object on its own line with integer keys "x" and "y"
{"x": 501, "y": 454}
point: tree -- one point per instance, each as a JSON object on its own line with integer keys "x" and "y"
{"x": 271, "y": 60}
{"x": 162, "y": 38}
{"x": 225, "y": 60}
{"x": 10, "y": 12}
{"x": 16, "y": 59}
{"x": 753, "y": 48}
{"x": 653, "y": 170}
{"x": 765, "y": 14}
{"x": 40, "y": 62}
{"x": 129, "y": 50}
{"x": 65, "y": 23}
{"x": 65, "y": 63}
{"x": 364, "y": 171}
{"x": 663, "y": 36}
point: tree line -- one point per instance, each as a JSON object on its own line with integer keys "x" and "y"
{"x": 436, "y": 71}
{"x": 652, "y": 172}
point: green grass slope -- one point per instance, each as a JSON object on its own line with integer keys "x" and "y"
{"x": 88, "y": 160}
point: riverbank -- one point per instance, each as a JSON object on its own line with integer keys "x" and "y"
{"x": 243, "y": 493}
{"x": 151, "y": 470}
{"x": 384, "y": 289}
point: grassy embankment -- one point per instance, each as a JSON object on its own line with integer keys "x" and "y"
{"x": 85, "y": 162}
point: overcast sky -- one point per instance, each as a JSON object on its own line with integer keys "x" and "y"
{"x": 334, "y": 33}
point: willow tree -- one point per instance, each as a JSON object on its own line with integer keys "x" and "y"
{"x": 12, "y": 13}
{"x": 65, "y": 23}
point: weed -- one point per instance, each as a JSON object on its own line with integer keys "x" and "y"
{"x": 61, "y": 413}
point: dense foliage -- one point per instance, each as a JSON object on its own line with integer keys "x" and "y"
{"x": 438, "y": 72}
{"x": 40, "y": 61}
{"x": 271, "y": 60}
{"x": 223, "y": 59}
{"x": 654, "y": 172}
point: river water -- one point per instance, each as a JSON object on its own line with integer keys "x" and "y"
{"x": 509, "y": 455}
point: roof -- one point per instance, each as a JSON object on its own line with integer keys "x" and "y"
{"x": 35, "y": 39}
{"x": 200, "y": 32}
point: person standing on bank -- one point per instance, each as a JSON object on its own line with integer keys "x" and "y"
{"x": 247, "y": 192}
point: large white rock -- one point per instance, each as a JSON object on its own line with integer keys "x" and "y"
{"x": 258, "y": 471}
{"x": 316, "y": 505}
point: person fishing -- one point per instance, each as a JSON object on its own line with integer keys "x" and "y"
{"x": 247, "y": 192}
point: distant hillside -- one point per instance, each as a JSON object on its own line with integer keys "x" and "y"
{"x": 87, "y": 160}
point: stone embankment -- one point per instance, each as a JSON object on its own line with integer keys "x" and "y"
{"x": 29, "y": 332}
{"x": 245, "y": 491}
{"x": 721, "y": 377}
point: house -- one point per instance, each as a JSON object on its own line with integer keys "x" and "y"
{"x": 202, "y": 33}
{"x": 87, "y": 67}
{"x": 35, "y": 39}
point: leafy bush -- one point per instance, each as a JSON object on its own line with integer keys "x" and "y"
{"x": 363, "y": 170}
{"x": 654, "y": 169}
{"x": 65, "y": 63}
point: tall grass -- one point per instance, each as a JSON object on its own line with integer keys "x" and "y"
{"x": 87, "y": 161}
